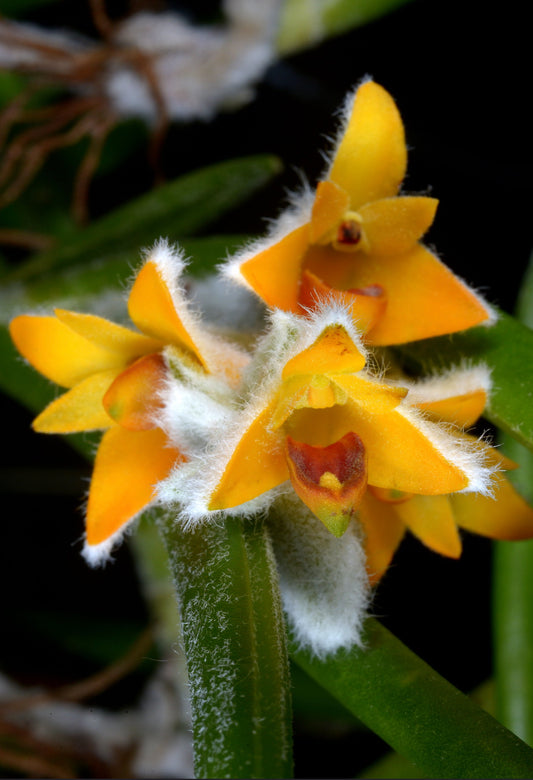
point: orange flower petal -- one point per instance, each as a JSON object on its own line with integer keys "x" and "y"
{"x": 366, "y": 305}
{"x": 371, "y": 158}
{"x": 463, "y": 410}
{"x": 505, "y": 516}
{"x": 79, "y": 409}
{"x": 424, "y": 298}
{"x": 384, "y": 531}
{"x": 132, "y": 398}
{"x": 103, "y": 333}
{"x": 371, "y": 395}
{"x": 58, "y": 352}
{"x": 393, "y": 225}
{"x": 431, "y": 519}
{"x": 333, "y": 352}
{"x": 274, "y": 273}
{"x": 152, "y": 309}
{"x": 257, "y": 465}
{"x": 331, "y": 203}
{"x": 128, "y": 465}
{"x": 401, "y": 456}
{"x": 329, "y": 480}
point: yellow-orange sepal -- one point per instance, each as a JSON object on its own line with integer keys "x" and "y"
{"x": 330, "y": 480}
{"x": 132, "y": 399}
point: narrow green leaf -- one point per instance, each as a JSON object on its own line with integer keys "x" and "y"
{"x": 513, "y": 587}
{"x": 304, "y": 23}
{"x": 173, "y": 210}
{"x": 417, "y": 712}
{"x": 507, "y": 348}
{"x": 226, "y": 581}
{"x": 88, "y": 287}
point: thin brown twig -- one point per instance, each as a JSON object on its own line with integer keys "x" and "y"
{"x": 35, "y": 766}
{"x": 25, "y": 239}
{"x": 90, "y": 686}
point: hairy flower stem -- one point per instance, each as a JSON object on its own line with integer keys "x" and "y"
{"x": 234, "y": 637}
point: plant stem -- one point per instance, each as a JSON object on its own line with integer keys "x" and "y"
{"x": 234, "y": 638}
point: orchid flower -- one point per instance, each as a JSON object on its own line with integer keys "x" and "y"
{"x": 334, "y": 449}
{"x": 114, "y": 378}
{"x": 356, "y": 239}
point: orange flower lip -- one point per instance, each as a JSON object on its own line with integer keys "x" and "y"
{"x": 330, "y": 480}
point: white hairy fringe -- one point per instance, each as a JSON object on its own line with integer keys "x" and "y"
{"x": 457, "y": 380}
{"x": 193, "y": 484}
{"x": 460, "y": 452}
{"x": 221, "y": 358}
{"x": 324, "y": 584}
{"x": 298, "y": 213}
{"x": 98, "y": 555}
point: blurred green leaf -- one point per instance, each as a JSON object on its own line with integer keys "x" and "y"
{"x": 418, "y": 713}
{"x": 88, "y": 286}
{"x": 513, "y": 586}
{"x": 180, "y": 208}
{"x": 17, "y": 8}
{"x": 507, "y": 349}
{"x": 304, "y": 23}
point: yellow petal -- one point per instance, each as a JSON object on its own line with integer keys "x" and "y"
{"x": 57, "y": 351}
{"x": 504, "y": 516}
{"x": 132, "y": 399}
{"x": 366, "y": 305}
{"x": 424, "y": 298}
{"x": 371, "y": 158}
{"x": 332, "y": 352}
{"x": 383, "y": 531}
{"x": 128, "y": 465}
{"x": 393, "y": 225}
{"x": 274, "y": 273}
{"x": 257, "y": 465}
{"x": 431, "y": 519}
{"x": 152, "y": 309}
{"x": 331, "y": 203}
{"x": 79, "y": 409}
{"x": 108, "y": 335}
{"x": 374, "y": 397}
{"x": 402, "y": 457}
{"x": 330, "y": 480}
{"x": 463, "y": 410}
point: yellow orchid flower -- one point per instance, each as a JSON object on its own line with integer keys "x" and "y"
{"x": 357, "y": 241}
{"x": 386, "y": 515}
{"x": 326, "y": 423}
{"x": 114, "y": 378}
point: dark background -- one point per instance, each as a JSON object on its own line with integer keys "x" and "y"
{"x": 460, "y": 76}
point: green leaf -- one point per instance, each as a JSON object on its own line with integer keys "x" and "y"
{"x": 417, "y": 712}
{"x": 304, "y": 23}
{"x": 89, "y": 286}
{"x": 513, "y": 587}
{"x": 226, "y": 581}
{"x": 18, "y": 8}
{"x": 507, "y": 348}
{"x": 173, "y": 210}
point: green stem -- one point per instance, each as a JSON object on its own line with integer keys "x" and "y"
{"x": 417, "y": 712}
{"x": 234, "y": 637}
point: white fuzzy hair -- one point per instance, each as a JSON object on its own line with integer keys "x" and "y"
{"x": 221, "y": 358}
{"x": 193, "y": 484}
{"x": 324, "y": 584}
{"x": 455, "y": 381}
{"x": 297, "y": 213}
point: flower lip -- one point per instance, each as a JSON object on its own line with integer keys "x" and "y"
{"x": 330, "y": 480}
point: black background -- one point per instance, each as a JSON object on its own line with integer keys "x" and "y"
{"x": 460, "y": 76}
